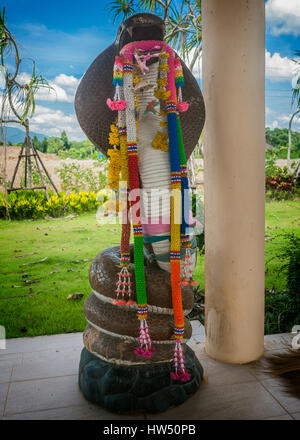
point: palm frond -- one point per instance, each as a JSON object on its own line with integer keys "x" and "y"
{"x": 296, "y": 93}
{"x": 147, "y": 5}
{"x": 123, "y": 8}
{"x": 296, "y": 89}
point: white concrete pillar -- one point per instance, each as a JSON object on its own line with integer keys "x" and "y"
{"x": 234, "y": 175}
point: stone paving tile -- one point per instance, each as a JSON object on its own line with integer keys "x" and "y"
{"x": 9, "y": 360}
{"x": 41, "y": 343}
{"x": 278, "y": 341}
{"x": 194, "y": 340}
{"x": 5, "y": 373}
{"x": 284, "y": 417}
{"x": 15, "y": 345}
{"x": 259, "y": 369}
{"x": 220, "y": 373}
{"x": 37, "y": 395}
{"x": 199, "y": 350}
{"x": 198, "y": 329}
{"x": 84, "y": 412}
{"x": 51, "y": 366}
{"x": 244, "y": 401}
{"x": 296, "y": 416}
{"x": 3, "y": 394}
{"x": 33, "y": 356}
{"x": 276, "y": 388}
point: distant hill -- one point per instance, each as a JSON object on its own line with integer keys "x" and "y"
{"x": 16, "y": 135}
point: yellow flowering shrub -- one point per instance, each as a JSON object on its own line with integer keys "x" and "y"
{"x": 34, "y": 204}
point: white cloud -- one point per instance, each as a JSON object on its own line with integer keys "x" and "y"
{"x": 52, "y": 122}
{"x": 282, "y": 121}
{"x": 283, "y": 17}
{"x": 57, "y": 91}
{"x": 286, "y": 119}
{"x": 279, "y": 68}
{"x": 273, "y": 125}
{"x": 68, "y": 81}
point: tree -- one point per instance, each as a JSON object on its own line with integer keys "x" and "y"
{"x": 18, "y": 99}
{"x": 64, "y": 138}
{"x": 54, "y": 144}
{"x": 36, "y": 142}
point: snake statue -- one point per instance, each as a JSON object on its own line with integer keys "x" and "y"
{"x": 150, "y": 138}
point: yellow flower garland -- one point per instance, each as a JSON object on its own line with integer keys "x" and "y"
{"x": 136, "y": 79}
{"x": 114, "y": 168}
{"x": 161, "y": 140}
{"x": 164, "y": 55}
{"x": 161, "y": 94}
{"x": 124, "y": 160}
{"x": 162, "y": 82}
{"x": 113, "y": 137}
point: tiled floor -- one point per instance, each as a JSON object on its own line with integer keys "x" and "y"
{"x": 38, "y": 380}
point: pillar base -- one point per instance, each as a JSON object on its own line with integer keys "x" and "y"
{"x": 136, "y": 388}
{"x": 233, "y": 358}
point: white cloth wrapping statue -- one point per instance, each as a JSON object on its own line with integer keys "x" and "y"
{"x": 154, "y": 170}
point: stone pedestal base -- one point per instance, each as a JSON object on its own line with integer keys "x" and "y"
{"x": 136, "y": 388}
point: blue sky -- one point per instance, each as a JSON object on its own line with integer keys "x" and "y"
{"x": 65, "y": 36}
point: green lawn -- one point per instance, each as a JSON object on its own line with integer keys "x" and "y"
{"x": 31, "y": 306}
{"x": 281, "y": 217}
{"x": 33, "y": 298}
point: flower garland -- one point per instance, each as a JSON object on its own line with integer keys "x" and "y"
{"x": 113, "y": 137}
{"x": 145, "y": 347}
{"x": 179, "y": 82}
{"x": 170, "y": 76}
{"x": 114, "y": 168}
{"x": 161, "y": 140}
{"x": 123, "y": 286}
{"x": 160, "y": 91}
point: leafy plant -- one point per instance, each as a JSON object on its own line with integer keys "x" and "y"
{"x": 278, "y": 138}
{"x": 35, "y": 176}
{"x": 75, "y": 178}
{"x": 16, "y": 97}
{"x": 280, "y": 183}
{"x": 282, "y": 309}
{"x": 198, "y": 213}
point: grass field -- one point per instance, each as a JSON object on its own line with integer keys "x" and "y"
{"x": 33, "y": 298}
